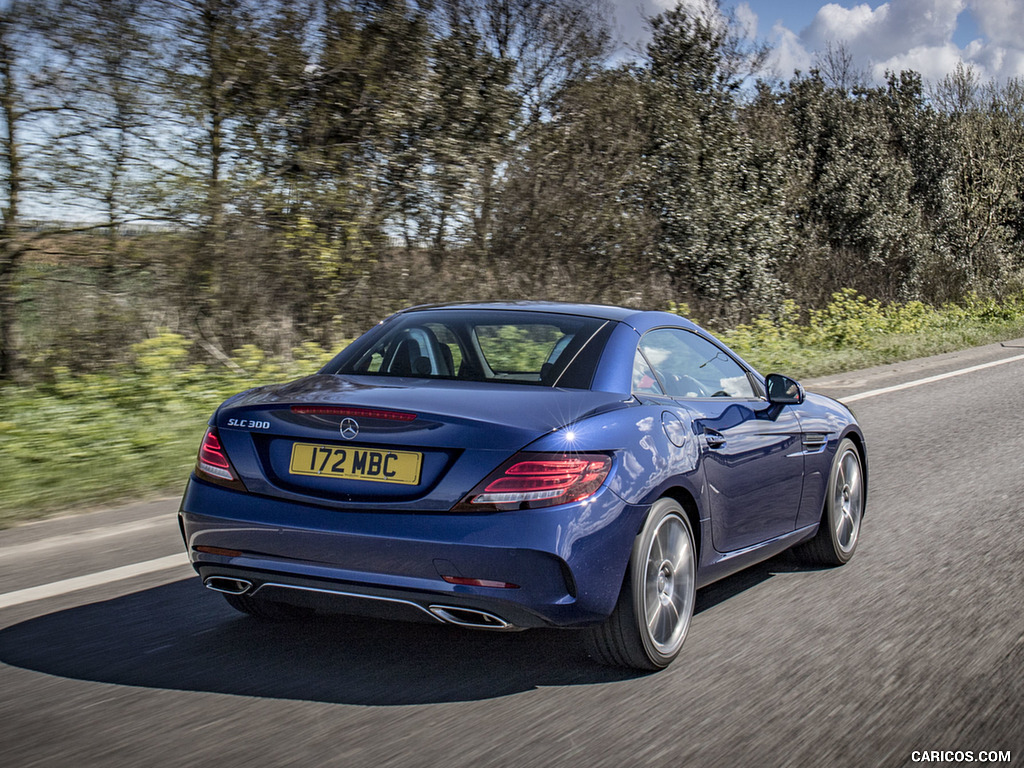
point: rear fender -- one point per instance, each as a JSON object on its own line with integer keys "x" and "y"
{"x": 654, "y": 447}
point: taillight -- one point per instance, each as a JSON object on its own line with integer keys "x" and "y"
{"x": 213, "y": 463}
{"x": 529, "y": 481}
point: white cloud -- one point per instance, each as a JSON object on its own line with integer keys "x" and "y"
{"x": 834, "y": 22}
{"x": 933, "y": 62}
{"x": 889, "y": 30}
{"x": 1001, "y": 21}
{"x": 912, "y": 34}
{"x": 788, "y": 53}
{"x": 999, "y": 62}
{"x": 929, "y": 23}
{"x": 747, "y": 19}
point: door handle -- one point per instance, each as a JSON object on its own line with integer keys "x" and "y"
{"x": 714, "y": 439}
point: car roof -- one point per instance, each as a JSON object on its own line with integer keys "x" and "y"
{"x": 639, "y": 319}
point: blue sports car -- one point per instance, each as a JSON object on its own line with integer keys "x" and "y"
{"x": 512, "y": 465}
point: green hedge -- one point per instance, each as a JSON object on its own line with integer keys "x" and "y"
{"x": 853, "y": 332}
{"x": 133, "y": 431}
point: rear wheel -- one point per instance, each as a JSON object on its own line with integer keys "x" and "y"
{"x": 265, "y": 610}
{"x": 839, "y": 530}
{"x": 649, "y": 623}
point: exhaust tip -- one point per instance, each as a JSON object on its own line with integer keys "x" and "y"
{"x": 470, "y": 617}
{"x": 228, "y": 585}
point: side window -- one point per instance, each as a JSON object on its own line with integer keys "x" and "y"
{"x": 644, "y": 380}
{"x": 688, "y": 365}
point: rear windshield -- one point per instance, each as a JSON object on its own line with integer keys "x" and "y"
{"x": 481, "y": 345}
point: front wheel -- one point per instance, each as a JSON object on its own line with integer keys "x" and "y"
{"x": 839, "y": 529}
{"x": 649, "y": 623}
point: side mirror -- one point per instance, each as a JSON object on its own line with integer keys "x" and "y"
{"x": 782, "y": 390}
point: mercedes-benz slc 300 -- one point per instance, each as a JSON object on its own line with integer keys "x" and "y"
{"x": 512, "y": 465}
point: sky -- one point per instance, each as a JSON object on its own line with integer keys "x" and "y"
{"x": 929, "y": 36}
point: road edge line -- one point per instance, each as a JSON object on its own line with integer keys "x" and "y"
{"x": 928, "y": 380}
{"x": 63, "y": 587}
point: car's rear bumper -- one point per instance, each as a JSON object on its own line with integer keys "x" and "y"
{"x": 566, "y": 562}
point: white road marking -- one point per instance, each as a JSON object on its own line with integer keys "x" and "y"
{"x": 87, "y": 536}
{"x": 929, "y": 380}
{"x": 56, "y": 588}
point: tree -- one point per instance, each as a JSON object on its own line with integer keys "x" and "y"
{"x": 547, "y": 43}
{"x": 100, "y": 163}
{"x": 467, "y": 135}
{"x": 14, "y": 114}
{"x": 982, "y": 224}
{"x": 715, "y": 192}
{"x": 30, "y": 95}
{"x": 857, "y": 220}
{"x": 571, "y": 218}
{"x": 518, "y": 54}
{"x": 836, "y": 68}
{"x": 207, "y": 63}
{"x": 358, "y": 148}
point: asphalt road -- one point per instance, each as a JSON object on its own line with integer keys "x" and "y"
{"x": 916, "y": 645}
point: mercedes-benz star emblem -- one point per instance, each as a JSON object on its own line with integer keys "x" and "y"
{"x": 349, "y": 428}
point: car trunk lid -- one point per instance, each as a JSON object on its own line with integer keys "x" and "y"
{"x": 358, "y": 440}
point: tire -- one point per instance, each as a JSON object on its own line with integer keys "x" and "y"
{"x": 650, "y": 620}
{"x": 839, "y": 529}
{"x": 265, "y": 610}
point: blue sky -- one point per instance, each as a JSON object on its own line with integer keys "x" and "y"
{"x": 930, "y": 36}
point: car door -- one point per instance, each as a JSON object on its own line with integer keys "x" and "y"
{"x": 750, "y": 450}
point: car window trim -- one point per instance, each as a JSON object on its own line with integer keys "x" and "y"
{"x": 577, "y": 353}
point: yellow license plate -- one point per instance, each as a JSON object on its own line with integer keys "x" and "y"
{"x": 351, "y": 463}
